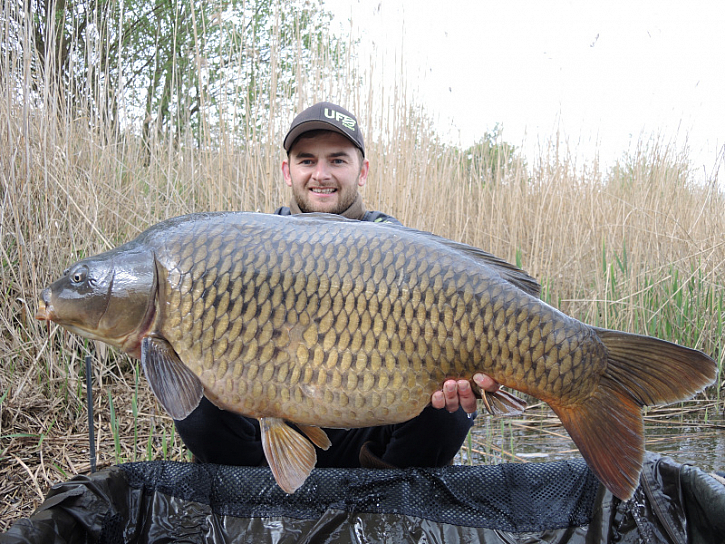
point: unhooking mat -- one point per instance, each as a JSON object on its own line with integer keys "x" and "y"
{"x": 559, "y": 502}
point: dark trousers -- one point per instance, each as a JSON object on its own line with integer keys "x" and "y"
{"x": 431, "y": 439}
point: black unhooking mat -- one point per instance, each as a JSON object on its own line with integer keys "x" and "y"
{"x": 560, "y": 502}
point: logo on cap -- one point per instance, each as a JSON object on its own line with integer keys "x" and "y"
{"x": 345, "y": 120}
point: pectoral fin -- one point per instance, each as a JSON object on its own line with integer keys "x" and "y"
{"x": 178, "y": 389}
{"x": 289, "y": 454}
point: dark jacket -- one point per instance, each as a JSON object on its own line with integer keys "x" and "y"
{"x": 375, "y": 217}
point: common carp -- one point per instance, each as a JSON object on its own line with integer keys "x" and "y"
{"x": 326, "y": 322}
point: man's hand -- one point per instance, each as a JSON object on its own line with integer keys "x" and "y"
{"x": 459, "y": 393}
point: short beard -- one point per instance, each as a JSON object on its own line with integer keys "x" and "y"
{"x": 339, "y": 210}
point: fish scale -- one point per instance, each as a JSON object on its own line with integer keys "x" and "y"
{"x": 325, "y": 322}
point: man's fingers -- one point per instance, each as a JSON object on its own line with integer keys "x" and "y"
{"x": 466, "y": 397}
{"x": 486, "y": 382}
{"x": 455, "y": 394}
{"x": 450, "y": 390}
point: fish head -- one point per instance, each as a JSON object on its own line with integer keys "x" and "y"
{"x": 108, "y": 297}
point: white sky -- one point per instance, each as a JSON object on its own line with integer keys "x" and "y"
{"x": 604, "y": 73}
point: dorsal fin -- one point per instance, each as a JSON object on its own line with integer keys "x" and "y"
{"x": 505, "y": 269}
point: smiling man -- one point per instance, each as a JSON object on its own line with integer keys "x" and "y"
{"x": 325, "y": 167}
{"x": 326, "y": 164}
{"x": 324, "y": 172}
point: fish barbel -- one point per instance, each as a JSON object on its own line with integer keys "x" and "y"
{"x": 325, "y": 322}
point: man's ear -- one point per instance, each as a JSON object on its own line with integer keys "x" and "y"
{"x": 286, "y": 174}
{"x": 363, "y": 176}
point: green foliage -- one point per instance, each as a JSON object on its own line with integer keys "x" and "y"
{"x": 162, "y": 67}
{"x": 651, "y": 163}
{"x": 490, "y": 159}
{"x": 681, "y": 306}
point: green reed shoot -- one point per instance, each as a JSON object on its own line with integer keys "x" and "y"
{"x": 60, "y": 470}
{"x": 134, "y": 411}
{"x": 469, "y": 448}
{"x": 150, "y": 445}
{"x": 115, "y": 429}
{"x": 164, "y": 446}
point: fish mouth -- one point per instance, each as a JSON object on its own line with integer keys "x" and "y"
{"x": 43, "y": 313}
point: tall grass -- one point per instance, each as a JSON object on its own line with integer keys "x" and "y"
{"x": 640, "y": 247}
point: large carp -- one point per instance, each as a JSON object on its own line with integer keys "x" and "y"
{"x": 326, "y": 322}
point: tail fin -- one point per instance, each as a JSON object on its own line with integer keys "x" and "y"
{"x": 641, "y": 371}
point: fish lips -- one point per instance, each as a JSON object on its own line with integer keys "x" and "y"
{"x": 44, "y": 312}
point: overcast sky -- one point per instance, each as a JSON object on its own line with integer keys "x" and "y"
{"x": 603, "y": 73}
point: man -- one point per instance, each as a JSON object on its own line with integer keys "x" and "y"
{"x": 325, "y": 166}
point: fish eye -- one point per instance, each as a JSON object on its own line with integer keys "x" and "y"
{"x": 79, "y": 275}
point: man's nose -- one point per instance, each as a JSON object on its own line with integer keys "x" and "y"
{"x": 322, "y": 170}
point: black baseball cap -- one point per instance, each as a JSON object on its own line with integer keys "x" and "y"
{"x": 325, "y": 116}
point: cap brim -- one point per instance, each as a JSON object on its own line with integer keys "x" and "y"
{"x": 316, "y": 124}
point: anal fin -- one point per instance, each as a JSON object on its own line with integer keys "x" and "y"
{"x": 502, "y": 403}
{"x": 178, "y": 389}
{"x": 318, "y": 436}
{"x": 289, "y": 454}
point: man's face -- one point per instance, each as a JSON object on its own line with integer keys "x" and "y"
{"x": 324, "y": 172}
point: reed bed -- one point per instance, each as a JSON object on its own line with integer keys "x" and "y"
{"x": 639, "y": 247}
